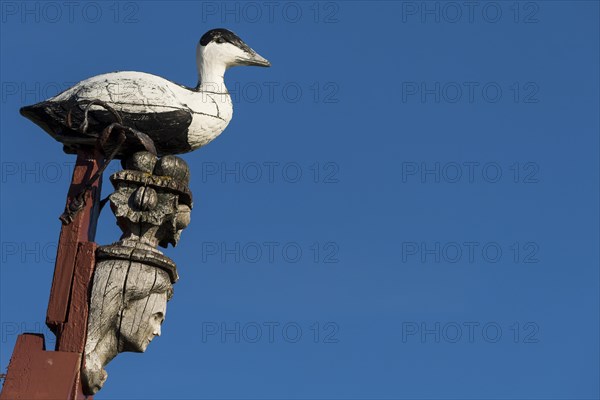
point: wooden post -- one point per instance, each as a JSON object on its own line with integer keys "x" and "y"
{"x": 33, "y": 372}
{"x": 81, "y": 230}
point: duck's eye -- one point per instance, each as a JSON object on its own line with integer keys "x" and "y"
{"x": 220, "y": 40}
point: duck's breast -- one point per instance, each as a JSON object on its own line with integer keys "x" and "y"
{"x": 211, "y": 114}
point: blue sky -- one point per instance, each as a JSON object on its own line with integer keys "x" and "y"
{"x": 404, "y": 206}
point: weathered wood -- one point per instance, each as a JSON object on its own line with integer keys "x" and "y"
{"x": 133, "y": 279}
{"x": 81, "y": 229}
{"x": 34, "y": 373}
{"x": 129, "y": 304}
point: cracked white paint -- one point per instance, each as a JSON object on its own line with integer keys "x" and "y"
{"x": 209, "y": 103}
{"x": 139, "y": 92}
{"x": 177, "y": 118}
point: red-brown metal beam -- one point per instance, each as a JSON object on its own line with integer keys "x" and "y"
{"x": 82, "y": 229}
{"x": 33, "y": 372}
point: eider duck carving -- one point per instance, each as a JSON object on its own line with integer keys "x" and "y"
{"x": 176, "y": 118}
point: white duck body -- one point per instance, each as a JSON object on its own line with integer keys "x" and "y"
{"x": 176, "y": 118}
{"x": 132, "y": 92}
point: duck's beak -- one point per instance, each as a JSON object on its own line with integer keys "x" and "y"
{"x": 254, "y": 59}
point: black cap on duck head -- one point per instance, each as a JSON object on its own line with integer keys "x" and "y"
{"x": 224, "y": 37}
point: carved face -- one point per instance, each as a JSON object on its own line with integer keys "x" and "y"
{"x": 142, "y": 321}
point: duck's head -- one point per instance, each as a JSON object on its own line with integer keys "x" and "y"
{"x": 221, "y": 46}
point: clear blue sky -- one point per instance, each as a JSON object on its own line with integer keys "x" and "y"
{"x": 404, "y": 206}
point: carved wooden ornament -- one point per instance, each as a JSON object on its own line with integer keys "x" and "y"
{"x": 133, "y": 279}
